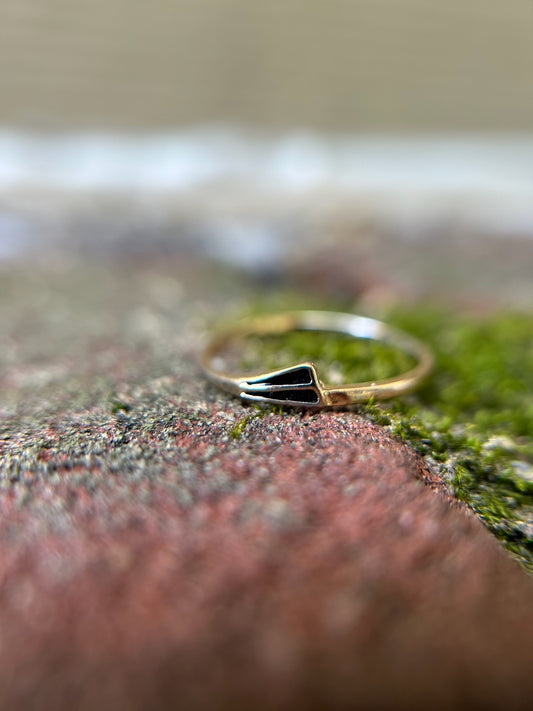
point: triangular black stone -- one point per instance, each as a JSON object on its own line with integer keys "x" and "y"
{"x": 298, "y": 376}
{"x": 295, "y": 396}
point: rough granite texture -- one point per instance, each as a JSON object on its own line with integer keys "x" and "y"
{"x": 162, "y": 546}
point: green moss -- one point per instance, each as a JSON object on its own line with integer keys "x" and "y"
{"x": 239, "y": 427}
{"x": 119, "y": 406}
{"x": 473, "y": 418}
{"x": 339, "y": 358}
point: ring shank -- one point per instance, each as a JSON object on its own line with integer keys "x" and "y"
{"x": 334, "y": 322}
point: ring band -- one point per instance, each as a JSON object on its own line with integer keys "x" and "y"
{"x": 299, "y": 384}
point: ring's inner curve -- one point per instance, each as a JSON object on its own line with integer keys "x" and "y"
{"x": 266, "y": 387}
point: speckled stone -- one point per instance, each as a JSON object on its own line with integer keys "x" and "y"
{"x": 154, "y": 555}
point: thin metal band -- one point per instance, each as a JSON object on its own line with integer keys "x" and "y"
{"x": 299, "y": 384}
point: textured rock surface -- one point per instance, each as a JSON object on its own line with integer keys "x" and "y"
{"x": 161, "y": 545}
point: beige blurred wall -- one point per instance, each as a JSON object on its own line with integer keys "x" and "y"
{"x": 330, "y": 64}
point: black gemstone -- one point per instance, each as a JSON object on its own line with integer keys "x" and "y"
{"x": 304, "y": 395}
{"x": 299, "y": 376}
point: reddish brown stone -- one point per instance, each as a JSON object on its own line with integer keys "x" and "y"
{"x": 303, "y": 565}
{"x": 153, "y": 555}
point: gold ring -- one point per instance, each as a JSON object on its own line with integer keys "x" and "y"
{"x": 299, "y": 384}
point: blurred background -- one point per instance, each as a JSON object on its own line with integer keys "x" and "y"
{"x": 349, "y": 65}
{"x": 396, "y": 134}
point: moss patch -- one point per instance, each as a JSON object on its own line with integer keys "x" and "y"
{"x": 238, "y": 428}
{"x": 472, "y": 419}
{"x": 339, "y": 358}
